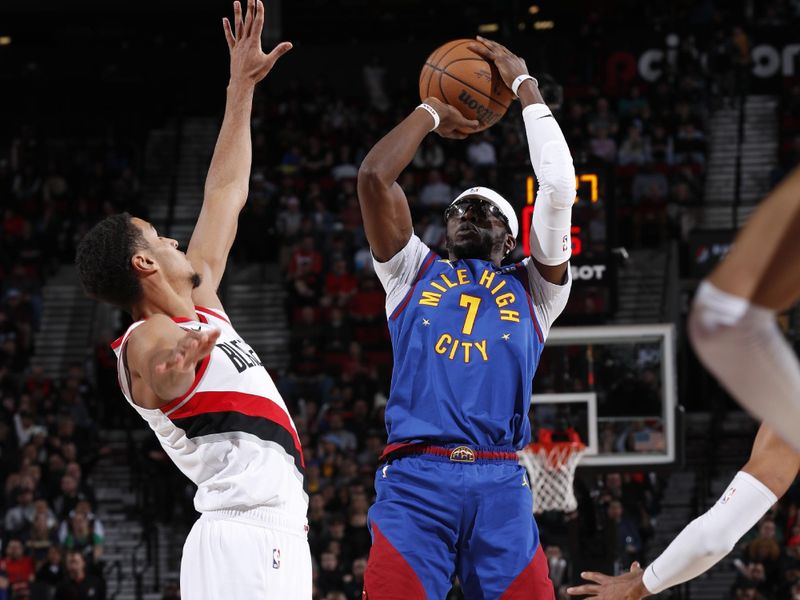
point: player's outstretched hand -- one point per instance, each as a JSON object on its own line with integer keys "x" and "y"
{"x": 193, "y": 347}
{"x": 248, "y": 61}
{"x": 452, "y": 124}
{"x": 628, "y": 586}
{"x": 508, "y": 64}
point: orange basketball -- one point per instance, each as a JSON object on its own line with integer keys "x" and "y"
{"x": 457, "y": 76}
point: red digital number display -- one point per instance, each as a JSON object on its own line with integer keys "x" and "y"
{"x": 525, "y": 224}
{"x": 586, "y": 187}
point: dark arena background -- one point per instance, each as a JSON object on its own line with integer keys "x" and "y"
{"x": 680, "y": 115}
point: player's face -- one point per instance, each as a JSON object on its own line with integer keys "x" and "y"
{"x": 476, "y": 229}
{"x": 172, "y": 262}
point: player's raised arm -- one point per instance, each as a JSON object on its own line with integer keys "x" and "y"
{"x": 228, "y": 177}
{"x": 551, "y": 245}
{"x": 384, "y": 208}
{"x": 766, "y": 477}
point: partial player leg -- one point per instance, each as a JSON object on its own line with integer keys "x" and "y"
{"x": 413, "y": 522}
{"x": 235, "y": 560}
{"x": 763, "y": 265}
{"x": 732, "y": 324}
{"x": 500, "y": 555}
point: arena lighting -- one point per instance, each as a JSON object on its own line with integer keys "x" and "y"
{"x": 544, "y": 24}
{"x": 533, "y": 9}
{"x": 521, "y": 26}
{"x": 488, "y": 28}
{"x": 5, "y": 40}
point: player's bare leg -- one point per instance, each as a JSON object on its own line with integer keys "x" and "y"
{"x": 764, "y": 264}
{"x": 732, "y": 325}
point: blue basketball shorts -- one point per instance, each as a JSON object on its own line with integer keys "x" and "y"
{"x": 434, "y": 518}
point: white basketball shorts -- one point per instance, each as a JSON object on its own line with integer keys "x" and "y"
{"x": 256, "y": 554}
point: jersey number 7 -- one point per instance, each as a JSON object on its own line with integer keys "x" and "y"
{"x": 471, "y": 303}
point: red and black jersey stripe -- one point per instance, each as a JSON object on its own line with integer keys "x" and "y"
{"x": 208, "y": 413}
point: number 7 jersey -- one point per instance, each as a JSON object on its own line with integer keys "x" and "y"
{"x": 467, "y": 336}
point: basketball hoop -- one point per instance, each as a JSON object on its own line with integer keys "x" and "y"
{"x": 551, "y": 468}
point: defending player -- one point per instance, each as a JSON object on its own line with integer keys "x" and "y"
{"x": 467, "y": 334}
{"x": 770, "y": 471}
{"x": 732, "y": 324}
{"x": 202, "y": 390}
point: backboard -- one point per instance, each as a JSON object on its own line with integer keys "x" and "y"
{"x": 615, "y": 386}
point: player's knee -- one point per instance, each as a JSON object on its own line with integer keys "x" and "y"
{"x": 721, "y": 323}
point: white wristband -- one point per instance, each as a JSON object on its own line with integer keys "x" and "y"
{"x": 518, "y": 82}
{"x": 432, "y": 112}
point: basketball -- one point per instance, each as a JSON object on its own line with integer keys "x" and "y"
{"x": 461, "y": 78}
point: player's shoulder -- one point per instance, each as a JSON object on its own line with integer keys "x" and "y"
{"x": 150, "y": 332}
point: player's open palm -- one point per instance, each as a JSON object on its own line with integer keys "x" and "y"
{"x": 509, "y": 65}
{"x": 628, "y": 586}
{"x": 452, "y": 124}
{"x": 193, "y": 347}
{"x": 244, "y": 42}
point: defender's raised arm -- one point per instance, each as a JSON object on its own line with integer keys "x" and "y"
{"x": 229, "y": 174}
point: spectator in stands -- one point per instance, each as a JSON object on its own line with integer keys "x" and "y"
{"x": 635, "y": 148}
{"x": 344, "y": 439}
{"x": 69, "y": 497}
{"x": 430, "y": 155}
{"x": 623, "y": 534}
{"x": 603, "y": 146}
{"x": 481, "y": 152}
{"x": 436, "y": 193}
{"x": 331, "y": 577}
{"x": 690, "y": 145}
{"x": 354, "y": 581}
{"x": 18, "y": 568}
{"x": 765, "y": 549}
{"x": 20, "y": 517}
{"x": 40, "y": 538}
{"x": 52, "y": 572}
{"x": 79, "y": 583}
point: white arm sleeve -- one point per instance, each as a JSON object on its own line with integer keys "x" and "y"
{"x": 552, "y": 163}
{"x": 548, "y": 299}
{"x": 398, "y": 274}
{"x": 707, "y": 539}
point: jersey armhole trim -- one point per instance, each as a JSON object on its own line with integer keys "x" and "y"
{"x": 212, "y": 313}
{"x": 420, "y": 274}
{"x": 521, "y": 273}
{"x": 172, "y": 404}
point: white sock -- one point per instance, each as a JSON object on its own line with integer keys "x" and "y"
{"x": 743, "y": 347}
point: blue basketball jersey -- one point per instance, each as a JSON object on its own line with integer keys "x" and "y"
{"x": 466, "y": 345}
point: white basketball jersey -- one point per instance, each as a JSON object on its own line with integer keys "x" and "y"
{"x": 231, "y": 433}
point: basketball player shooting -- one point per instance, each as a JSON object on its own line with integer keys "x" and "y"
{"x": 467, "y": 334}
{"x": 732, "y": 324}
{"x": 200, "y": 387}
{"x": 766, "y": 477}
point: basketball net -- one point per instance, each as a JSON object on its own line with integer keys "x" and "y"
{"x": 551, "y": 468}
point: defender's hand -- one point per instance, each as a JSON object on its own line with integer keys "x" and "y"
{"x": 508, "y": 64}
{"x": 622, "y": 587}
{"x": 248, "y": 61}
{"x": 190, "y": 349}
{"x": 452, "y": 124}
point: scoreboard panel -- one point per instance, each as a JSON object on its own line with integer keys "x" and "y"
{"x": 594, "y": 294}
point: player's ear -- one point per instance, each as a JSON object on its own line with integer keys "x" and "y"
{"x": 510, "y": 244}
{"x": 143, "y": 265}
